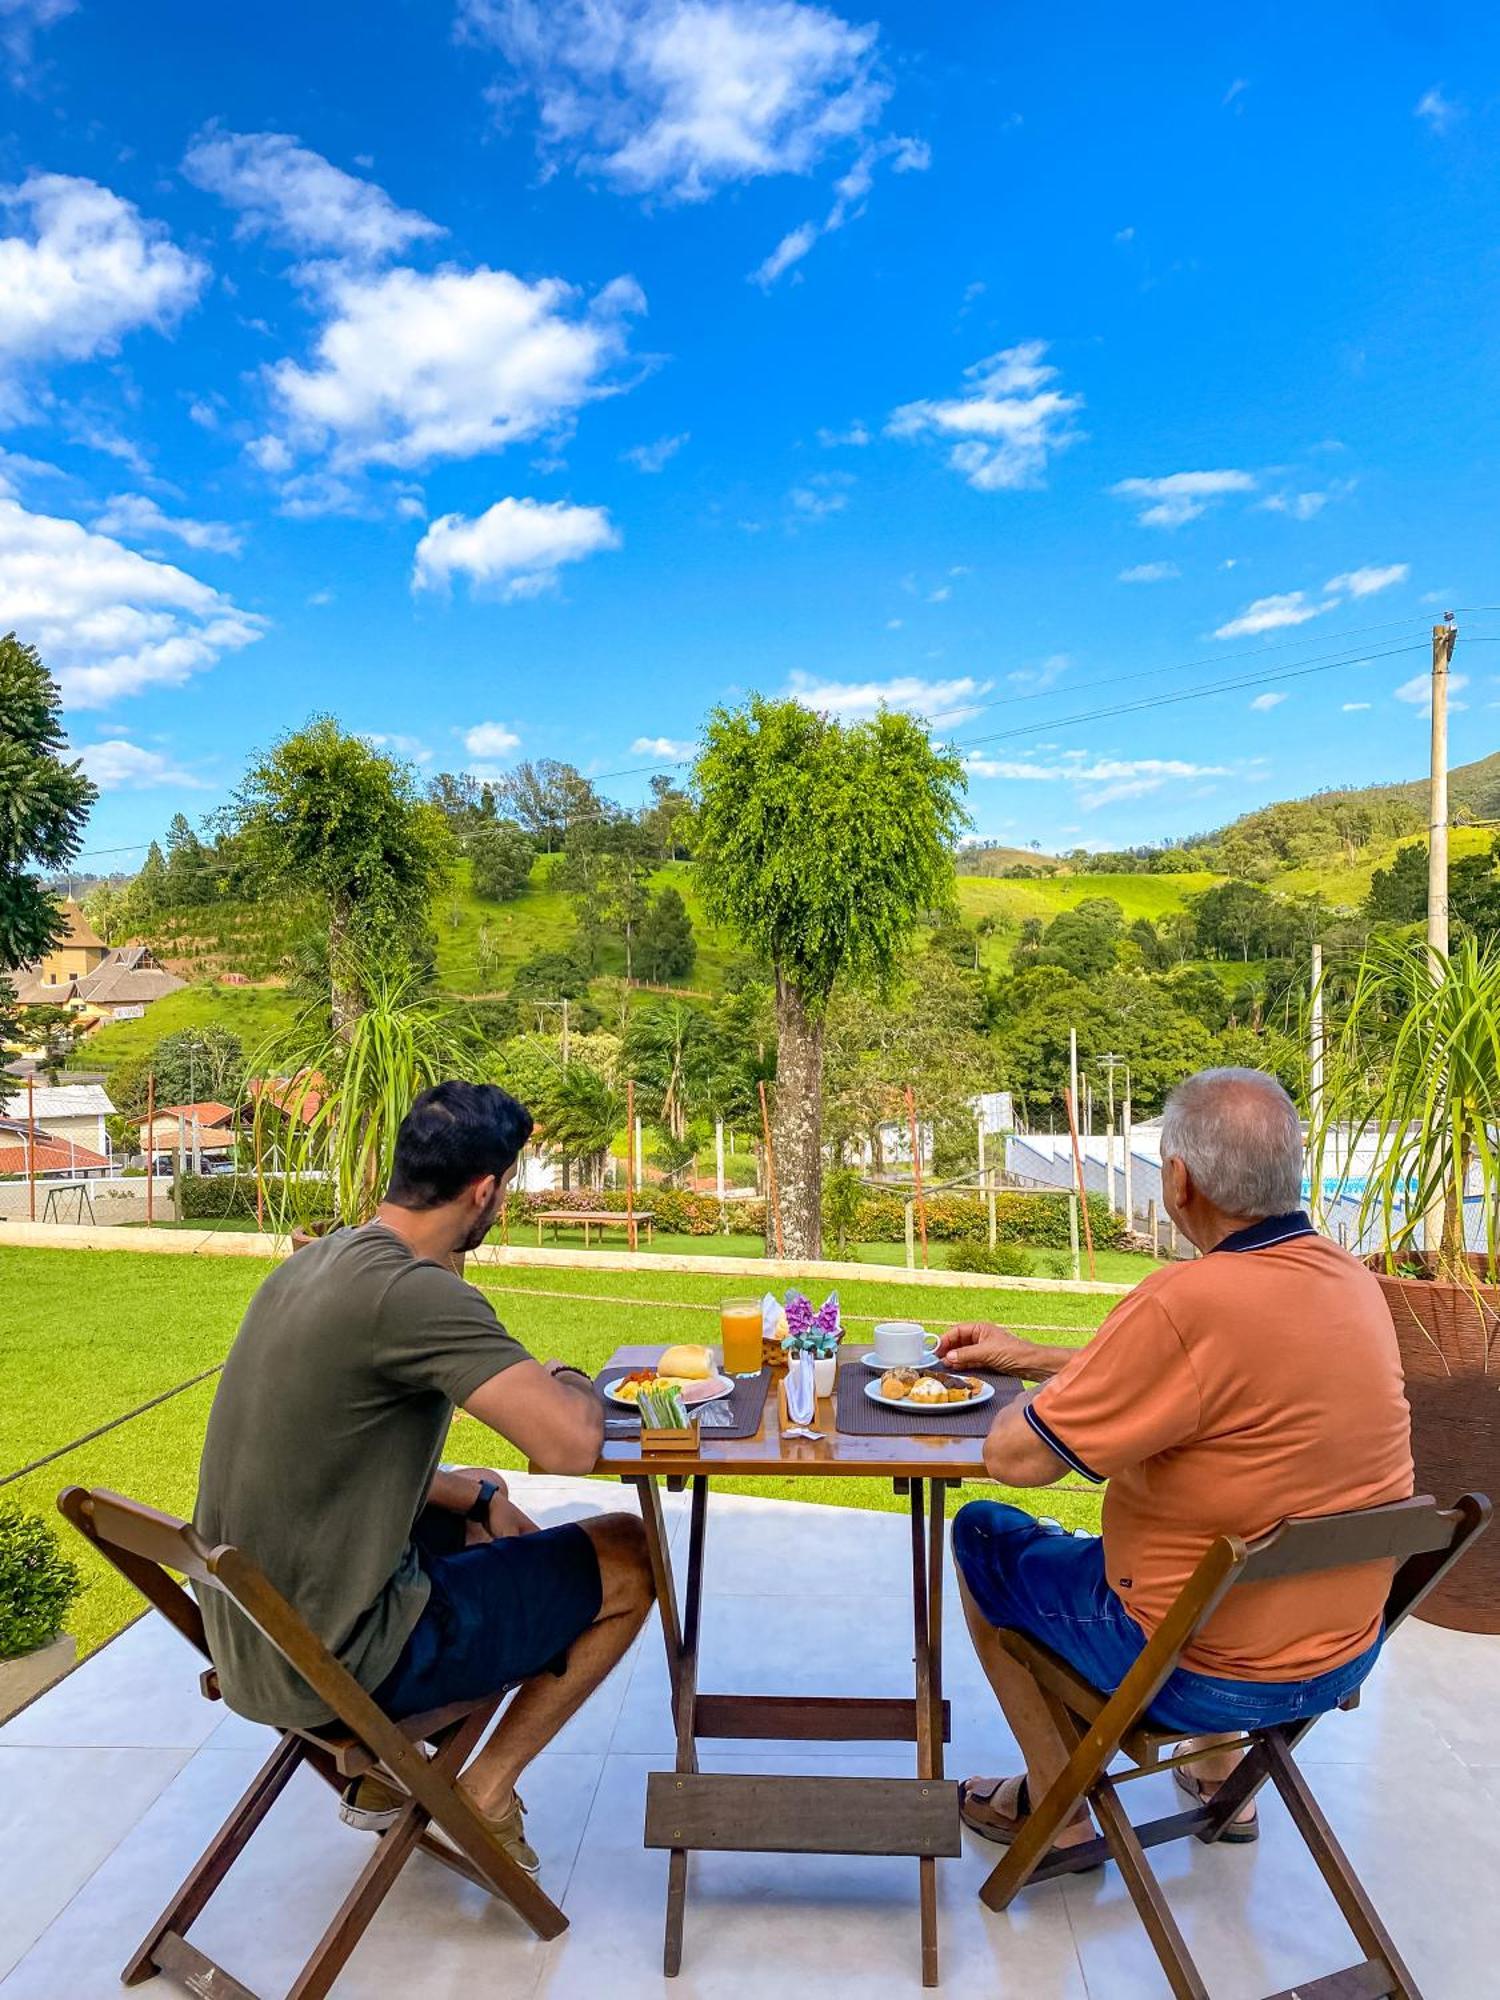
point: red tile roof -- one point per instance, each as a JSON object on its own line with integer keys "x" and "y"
{"x": 52, "y": 1156}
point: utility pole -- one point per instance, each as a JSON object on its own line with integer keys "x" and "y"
{"x": 1111, "y": 1063}
{"x": 1129, "y": 1189}
{"x": 1073, "y": 1066}
{"x": 1444, "y": 637}
{"x": 1315, "y": 1068}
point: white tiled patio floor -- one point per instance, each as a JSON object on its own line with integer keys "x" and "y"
{"x": 111, "y": 1784}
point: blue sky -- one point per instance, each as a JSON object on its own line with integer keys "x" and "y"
{"x": 518, "y": 380}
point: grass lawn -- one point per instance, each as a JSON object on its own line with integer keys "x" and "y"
{"x": 87, "y": 1335}
{"x": 251, "y": 1012}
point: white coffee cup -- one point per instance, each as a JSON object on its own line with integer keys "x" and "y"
{"x": 902, "y": 1343}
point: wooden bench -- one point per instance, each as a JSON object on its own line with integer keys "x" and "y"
{"x": 600, "y": 1219}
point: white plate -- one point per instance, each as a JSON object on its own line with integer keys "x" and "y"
{"x": 714, "y": 1390}
{"x": 872, "y": 1390}
{"x": 929, "y": 1360}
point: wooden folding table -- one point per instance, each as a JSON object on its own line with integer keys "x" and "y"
{"x": 688, "y": 1809}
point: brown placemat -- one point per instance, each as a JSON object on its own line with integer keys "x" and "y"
{"x": 854, "y": 1412}
{"x": 745, "y": 1407}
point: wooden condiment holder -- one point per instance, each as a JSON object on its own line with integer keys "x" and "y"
{"x": 678, "y": 1438}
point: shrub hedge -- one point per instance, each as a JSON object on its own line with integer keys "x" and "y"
{"x": 1041, "y": 1220}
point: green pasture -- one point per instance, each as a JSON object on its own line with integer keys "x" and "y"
{"x": 86, "y": 1336}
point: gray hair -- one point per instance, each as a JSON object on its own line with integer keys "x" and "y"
{"x": 1237, "y": 1133}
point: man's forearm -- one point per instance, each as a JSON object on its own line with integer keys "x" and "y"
{"x": 1045, "y": 1362}
{"x": 454, "y": 1492}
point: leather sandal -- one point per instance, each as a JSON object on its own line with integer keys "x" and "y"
{"x": 997, "y": 1808}
{"x": 1239, "y": 1832}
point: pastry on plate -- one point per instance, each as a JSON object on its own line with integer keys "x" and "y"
{"x": 956, "y": 1388}
{"x": 899, "y": 1383}
{"x": 927, "y": 1390}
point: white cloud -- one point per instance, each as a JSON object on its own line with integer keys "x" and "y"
{"x": 821, "y": 493}
{"x": 907, "y": 156}
{"x": 668, "y": 747}
{"x": 1365, "y": 582}
{"x": 856, "y": 434}
{"x": 412, "y": 748}
{"x": 84, "y": 269}
{"x": 652, "y": 457}
{"x": 1100, "y": 781}
{"x": 1355, "y": 707}
{"x": 1418, "y": 691}
{"x": 1270, "y": 614}
{"x": 681, "y": 97}
{"x": 118, "y": 766}
{"x": 792, "y": 248}
{"x": 514, "y": 549}
{"x": 854, "y": 701}
{"x": 1158, "y": 572}
{"x": 135, "y": 517}
{"x": 1007, "y": 422}
{"x": 1264, "y": 703}
{"x": 411, "y": 367}
{"x": 285, "y": 191}
{"x": 490, "y": 739}
{"x": 1300, "y": 506}
{"x": 1048, "y": 674}
{"x": 1179, "y": 497}
{"x": 108, "y": 620}
{"x": 1437, "y": 112}
{"x": 20, "y": 23}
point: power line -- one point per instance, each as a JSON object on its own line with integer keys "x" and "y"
{"x": 1189, "y": 694}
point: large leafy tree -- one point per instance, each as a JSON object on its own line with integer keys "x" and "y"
{"x": 548, "y": 798}
{"x": 822, "y": 845}
{"x": 666, "y": 947}
{"x": 325, "y": 817}
{"x": 44, "y": 802}
{"x": 191, "y": 1066}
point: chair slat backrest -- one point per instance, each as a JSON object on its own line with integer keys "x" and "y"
{"x": 144, "y": 1546}
{"x": 1308, "y": 1543}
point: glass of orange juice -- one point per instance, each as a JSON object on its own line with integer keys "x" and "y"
{"x": 739, "y": 1327}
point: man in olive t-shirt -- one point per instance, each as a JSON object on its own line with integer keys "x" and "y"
{"x": 322, "y": 1462}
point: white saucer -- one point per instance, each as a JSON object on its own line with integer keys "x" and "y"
{"x": 928, "y": 1360}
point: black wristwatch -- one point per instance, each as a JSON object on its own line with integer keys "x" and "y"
{"x": 480, "y": 1511}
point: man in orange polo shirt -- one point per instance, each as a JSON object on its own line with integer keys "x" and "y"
{"x": 1224, "y": 1395}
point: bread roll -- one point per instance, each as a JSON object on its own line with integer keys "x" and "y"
{"x": 687, "y": 1364}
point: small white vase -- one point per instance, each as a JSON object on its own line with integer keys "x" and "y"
{"x": 824, "y": 1370}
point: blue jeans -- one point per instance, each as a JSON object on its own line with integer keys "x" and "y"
{"x": 1026, "y": 1576}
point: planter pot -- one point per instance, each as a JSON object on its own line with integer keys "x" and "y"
{"x": 302, "y": 1237}
{"x": 824, "y": 1371}
{"x": 23, "y": 1679}
{"x": 1449, "y": 1336}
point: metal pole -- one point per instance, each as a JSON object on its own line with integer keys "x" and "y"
{"x": 1073, "y": 1064}
{"x": 911, "y": 1235}
{"x": 916, "y": 1169}
{"x": 773, "y": 1203}
{"x": 630, "y": 1164}
{"x": 1073, "y": 1233}
{"x": 1443, "y": 638}
{"x": 1315, "y": 1070}
{"x": 1129, "y": 1191}
{"x": 31, "y": 1145}
{"x": 1083, "y": 1202}
{"x": 150, "y": 1150}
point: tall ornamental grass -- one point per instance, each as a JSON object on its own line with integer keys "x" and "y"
{"x": 1414, "y": 1071}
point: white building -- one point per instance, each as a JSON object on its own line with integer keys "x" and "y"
{"x": 66, "y": 1111}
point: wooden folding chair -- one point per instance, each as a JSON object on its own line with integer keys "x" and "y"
{"x": 144, "y": 1545}
{"x": 1423, "y": 1539}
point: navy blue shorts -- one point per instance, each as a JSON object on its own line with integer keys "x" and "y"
{"x": 1034, "y": 1577}
{"x": 498, "y": 1612}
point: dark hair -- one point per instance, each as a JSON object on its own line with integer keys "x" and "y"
{"x": 455, "y": 1134}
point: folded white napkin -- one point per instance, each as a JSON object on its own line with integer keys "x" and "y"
{"x": 801, "y": 1395}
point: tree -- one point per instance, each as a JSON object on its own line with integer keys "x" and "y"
{"x": 191, "y": 1066}
{"x": 189, "y": 866}
{"x": 326, "y": 816}
{"x": 44, "y": 803}
{"x": 1398, "y": 894}
{"x": 666, "y": 947}
{"x": 148, "y": 892}
{"x": 548, "y": 798}
{"x": 1084, "y": 941}
{"x": 822, "y": 845}
{"x": 668, "y": 820}
{"x": 500, "y": 857}
{"x": 1474, "y": 892}
{"x": 1237, "y": 919}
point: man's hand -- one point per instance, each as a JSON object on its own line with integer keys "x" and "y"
{"x": 982, "y": 1344}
